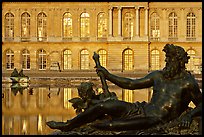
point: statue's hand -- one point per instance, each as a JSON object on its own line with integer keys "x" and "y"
{"x": 102, "y": 70}
{"x": 185, "y": 121}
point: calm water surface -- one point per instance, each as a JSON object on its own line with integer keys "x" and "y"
{"x": 25, "y": 111}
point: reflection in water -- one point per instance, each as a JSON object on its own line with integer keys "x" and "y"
{"x": 28, "y": 111}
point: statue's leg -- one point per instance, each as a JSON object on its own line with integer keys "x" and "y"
{"x": 128, "y": 124}
{"x": 114, "y": 108}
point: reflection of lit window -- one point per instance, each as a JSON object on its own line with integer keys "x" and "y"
{"x": 154, "y": 27}
{"x": 9, "y": 97}
{"x": 190, "y": 65}
{"x": 173, "y": 25}
{"x": 41, "y": 98}
{"x": 42, "y": 26}
{"x": 42, "y": 59}
{"x": 67, "y": 25}
{"x": 24, "y": 99}
{"x": 103, "y": 57}
{"x": 127, "y": 95}
{"x": 9, "y": 126}
{"x": 9, "y": 26}
{"x": 67, "y": 59}
{"x": 40, "y": 121}
{"x": 128, "y": 25}
{"x": 24, "y": 126}
{"x": 9, "y": 59}
{"x": 25, "y": 59}
{"x": 127, "y": 59}
{"x": 85, "y": 25}
{"x": 67, "y": 96}
{"x": 190, "y": 30}
{"x": 84, "y": 59}
{"x": 25, "y": 25}
{"x": 102, "y": 25}
{"x": 155, "y": 60}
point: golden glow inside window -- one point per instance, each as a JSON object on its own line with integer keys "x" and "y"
{"x": 190, "y": 65}
{"x": 25, "y": 59}
{"x": 128, "y": 59}
{"x": 127, "y": 95}
{"x": 9, "y": 59}
{"x": 67, "y": 96}
{"x": 128, "y": 25}
{"x": 67, "y": 58}
{"x": 42, "y": 59}
{"x": 42, "y": 26}
{"x": 154, "y": 27}
{"x": 85, "y": 25}
{"x": 102, "y": 25}
{"x": 9, "y": 26}
{"x": 173, "y": 25}
{"x": 155, "y": 60}
{"x": 84, "y": 59}
{"x": 67, "y": 25}
{"x": 103, "y": 57}
{"x": 190, "y": 30}
{"x": 25, "y": 25}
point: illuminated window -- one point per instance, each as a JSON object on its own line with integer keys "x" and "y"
{"x": 190, "y": 65}
{"x": 67, "y": 25}
{"x": 155, "y": 60}
{"x": 84, "y": 59}
{"x": 85, "y": 29}
{"x": 67, "y": 59}
{"x": 25, "y": 59}
{"x": 127, "y": 59}
{"x": 9, "y": 59}
{"x": 173, "y": 25}
{"x": 25, "y": 26}
{"x": 102, "y": 25}
{"x": 40, "y": 124}
{"x": 154, "y": 27}
{"x": 103, "y": 57}
{"x": 42, "y": 26}
{"x": 127, "y": 95}
{"x": 67, "y": 96}
{"x": 190, "y": 30}
{"x": 9, "y": 26}
{"x": 128, "y": 26}
{"x": 42, "y": 59}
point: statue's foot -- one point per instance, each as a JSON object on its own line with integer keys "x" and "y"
{"x": 57, "y": 125}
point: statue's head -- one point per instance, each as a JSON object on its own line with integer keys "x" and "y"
{"x": 176, "y": 58}
{"x": 85, "y": 90}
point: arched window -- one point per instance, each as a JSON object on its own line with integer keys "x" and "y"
{"x": 25, "y": 59}
{"x": 9, "y": 26}
{"x": 9, "y": 59}
{"x": 191, "y": 26}
{"x": 127, "y": 59}
{"x": 67, "y": 59}
{"x": 102, "y": 25}
{"x": 154, "y": 27}
{"x": 173, "y": 26}
{"x": 155, "y": 60}
{"x": 128, "y": 26}
{"x": 84, "y": 59}
{"x": 190, "y": 65}
{"x": 42, "y": 26}
{"x": 103, "y": 57}
{"x": 127, "y": 95}
{"x": 42, "y": 59}
{"x": 85, "y": 25}
{"x": 25, "y": 26}
{"x": 67, "y": 25}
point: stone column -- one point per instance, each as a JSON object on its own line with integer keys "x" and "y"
{"x": 119, "y": 21}
{"x": 137, "y": 21}
{"x": 146, "y": 21}
{"x": 110, "y": 21}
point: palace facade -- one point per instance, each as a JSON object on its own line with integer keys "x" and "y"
{"x": 129, "y": 36}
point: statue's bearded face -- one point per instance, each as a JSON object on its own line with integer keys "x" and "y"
{"x": 172, "y": 66}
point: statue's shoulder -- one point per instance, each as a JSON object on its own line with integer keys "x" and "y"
{"x": 155, "y": 74}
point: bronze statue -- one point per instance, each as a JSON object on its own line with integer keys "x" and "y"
{"x": 173, "y": 89}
